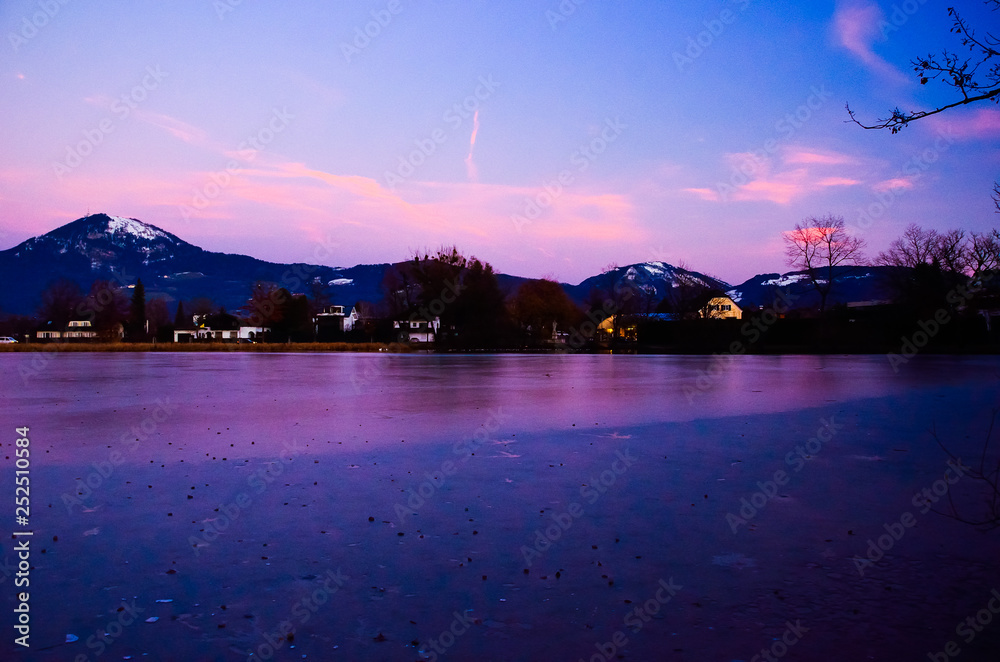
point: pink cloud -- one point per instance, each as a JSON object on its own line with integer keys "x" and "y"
{"x": 893, "y": 184}
{"x": 837, "y": 181}
{"x": 820, "y": 158}
{"x": 780, "y": 192}
{"x": 856, "y": 27}
{"x": 175, "y": 127}
{"x": 704, "y": 193}
{"x": 979, "y": 124}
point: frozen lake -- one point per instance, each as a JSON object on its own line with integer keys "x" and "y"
{"x": 405, "y": 507}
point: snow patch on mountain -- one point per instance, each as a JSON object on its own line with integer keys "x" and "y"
{"x": 786, "y": 280}
{"x": 134, "y": 227}
{"x": 341, "y": 281}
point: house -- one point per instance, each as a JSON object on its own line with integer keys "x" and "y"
{"x": 79, "y": 329}
{"x": 48, "y": 334}
{"x": 417, "y": 330}
{"x": 76, "y": 330}
{"x": 217, "y": 327}
{"x": 628, "y": 325}
{"x": 719, "y": 308}
{"x": 334, "y": 321}
{"x": 252, "y": 333}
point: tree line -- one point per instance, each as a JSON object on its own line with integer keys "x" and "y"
{"x": 464, "y": 295}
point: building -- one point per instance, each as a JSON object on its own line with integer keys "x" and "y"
{"x": 720, "y": 308}
{"x": 79, "y": 329}
{"x": 217, "y": 327}
{"x": 417, "y": 330}
{"x": 334, "y": 321}
{"x": 76, "y": 331}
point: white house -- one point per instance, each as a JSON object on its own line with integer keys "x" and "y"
{"x": 417, "y": 330}
{"x": 252, "y": 333}
{"x": 80, "y": 329}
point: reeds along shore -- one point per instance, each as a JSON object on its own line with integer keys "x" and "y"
{"x": 206, "y": 347}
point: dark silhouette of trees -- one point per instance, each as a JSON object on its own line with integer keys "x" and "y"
{"x": 480, "y": 310}
{"x": 158, "y": 317}
{"x": 399, "y": 290}
{"x": 106, "y": 307}
{"x": 818, "y": 246}
{"x": 137, "y": 327}
{"x": 60, "y": 303}
{"x": 538, "y": 304}
{"x": 181, "y": 320}
{"x": 689, "y": 296}
{"x": 265, "y": 307}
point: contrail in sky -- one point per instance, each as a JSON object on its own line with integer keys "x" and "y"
{"x": 469, "y": 163}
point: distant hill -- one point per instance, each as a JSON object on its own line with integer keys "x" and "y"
{"x": 850, "y": 284}
{"x": 124, "y": 249}
{"x": 120, "y": 249}
{"x": 656, "y": 278}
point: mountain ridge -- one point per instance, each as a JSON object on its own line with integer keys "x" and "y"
{"x": 122, "y": 249}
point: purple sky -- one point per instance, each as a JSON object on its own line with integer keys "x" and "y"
{"x": 544, "y": 141}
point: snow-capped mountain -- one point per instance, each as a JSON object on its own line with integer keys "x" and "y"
{"x": 657, "y": 279}
{"x": 850, "y": 284}
{"x": 107, "y": 242}
{"x": 121, "y": 250}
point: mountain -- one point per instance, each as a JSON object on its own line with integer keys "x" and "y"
{"x": 850, "y": 284}
{"x": 121, "y": 250}
{"x": 657, "y": 279}
{"x": 124, "y": 249}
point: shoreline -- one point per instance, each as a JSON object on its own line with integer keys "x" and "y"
{"x": 404, "y": 348}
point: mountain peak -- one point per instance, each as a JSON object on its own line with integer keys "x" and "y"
{"x": 94, "y": 225}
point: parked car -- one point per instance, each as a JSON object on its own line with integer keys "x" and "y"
{"x": 6, "y": 340}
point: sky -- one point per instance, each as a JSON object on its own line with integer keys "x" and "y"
{"x": 548, "y": 138}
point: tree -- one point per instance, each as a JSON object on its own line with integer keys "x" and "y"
{"x": 480, "y": 313}
{"x": 138, "y": 328}
{"x": 954, "y": 251}
{"x": 688, "y": 295}
{"x": 916, "y": 246}
{"x": 265, "y": 305}
{"x": 60, "y": 302}
{"x": 975, "y": 77}
{"x": 538, "y": 304}
{"x": 399, "y": 290}
{"x": 202, "y": 306}
{"x": 159, "y": 319}
{"x": 983, "y": 252}
{"x": 819, "y": 245}
{"x": 181, "y": 320}
{"x": 107, "y": 307}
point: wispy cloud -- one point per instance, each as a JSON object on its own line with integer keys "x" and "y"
{"x": 792, "y": 173}
{"x": 175, "y": 127}
{"x": 470, "y": 164}
{"x": 805, "y": 156}
{"x": 856, "y": 27}
{"x": 704, "y": 193}
{"x": 893, "y": 184}
{"x": 978, "y": 124}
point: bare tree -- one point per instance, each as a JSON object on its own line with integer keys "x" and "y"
{"x": 983, "y": 252}
{"x": 819, "y": 245}
{"x": 954, "y": 251}
{"x": 916, "y": 246}
{"x": 951, "y": 251}
{"x": 975, "y": 77}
